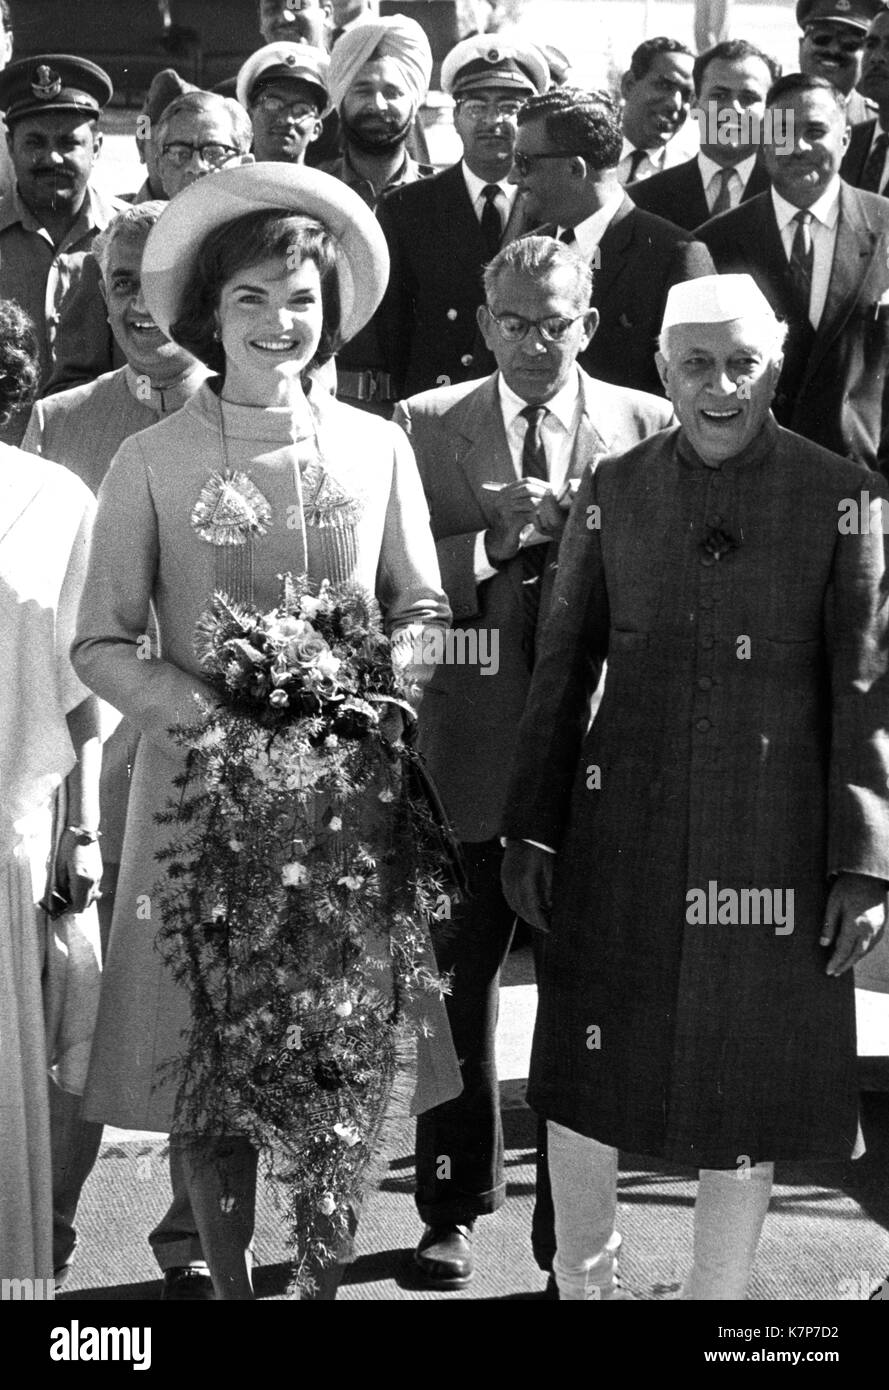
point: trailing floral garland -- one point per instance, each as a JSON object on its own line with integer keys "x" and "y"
{"x": 309, "y": 857}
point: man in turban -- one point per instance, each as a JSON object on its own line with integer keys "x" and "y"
{"x": 710, "y": 857}
{"x": 379, "y": 76}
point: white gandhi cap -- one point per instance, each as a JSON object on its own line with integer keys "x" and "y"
{"x": 715, "y": 299}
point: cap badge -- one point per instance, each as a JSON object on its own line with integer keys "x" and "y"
{"x": 290, "y": 60}
{"x": 492, "y": 55}
{"x": 843, "y": 4}
{"x": 48, "y": 84}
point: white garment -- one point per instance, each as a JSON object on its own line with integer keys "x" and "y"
{"x": 45, "y": 521}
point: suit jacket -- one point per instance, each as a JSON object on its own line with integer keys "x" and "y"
{"x": 426, "y": 322}
{"x": 678, "y": 195}
{"x": 833, "y": 384}
{"x": 640, "y": 257}
{"x": 468, "y": 719}
{"x": 856, "y": 155}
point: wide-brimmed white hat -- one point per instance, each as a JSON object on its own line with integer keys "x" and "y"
{"x": 174, "y": 241}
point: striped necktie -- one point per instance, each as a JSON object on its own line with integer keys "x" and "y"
{"x": 801, "y": 259}
{"x": 872, "y": 173}
{"x": 723, "y": 201}
{"x": 534, "y": 556}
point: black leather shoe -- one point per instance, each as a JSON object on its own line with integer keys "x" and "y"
{"x": 185, "y": 1284}
{"x": 444, "y": 1256}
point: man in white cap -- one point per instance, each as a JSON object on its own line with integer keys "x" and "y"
{"x": 711, "y": 856}
{"x": 379, "y": 76}
{"x": 443, "y": 231}
{"x": 283, "y": 88}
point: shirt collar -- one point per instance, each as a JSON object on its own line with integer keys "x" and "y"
{"x": 590, "y": 231}
{"x": 825, "y": 210}
{"x": 95, "y": 213}
{"x": 474, "y": 186}
{"x": 655, "y": 156}
{"x": 563, "y": 404}
{"x": 709, "y": 168}
{"x": 168, "y": 399}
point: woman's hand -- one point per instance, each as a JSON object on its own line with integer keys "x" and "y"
{"x": 80, "y": 869}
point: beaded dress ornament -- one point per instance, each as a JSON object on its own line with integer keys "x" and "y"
{"x": 231, "y": 512}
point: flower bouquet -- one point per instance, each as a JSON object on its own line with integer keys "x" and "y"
{"x": 308, "y": 858}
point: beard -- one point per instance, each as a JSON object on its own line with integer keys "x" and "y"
{"x": 381, "y": 141}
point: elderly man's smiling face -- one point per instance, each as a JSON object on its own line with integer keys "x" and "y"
{"x": 721, "y": 378}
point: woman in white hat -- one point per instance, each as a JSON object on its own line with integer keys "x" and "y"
{"x": 261, "y": 272}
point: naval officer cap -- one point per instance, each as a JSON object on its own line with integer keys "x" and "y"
{"x": 295, "y": 62}
{"x": 52, "y": 82}
{"x": 715, "y": 299}
{"x": 490, "y": 60}
{"x": 856, "y": 13}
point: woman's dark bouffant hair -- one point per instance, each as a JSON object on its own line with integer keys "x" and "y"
{"x": 19, "y": 359}
{"x": 243, "y": 242}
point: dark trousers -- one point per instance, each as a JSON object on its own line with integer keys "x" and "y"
{"x": 459, "y": 1156}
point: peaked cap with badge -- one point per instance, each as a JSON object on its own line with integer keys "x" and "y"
{"x": 858, "y": 14}
{"x": 299, "y": 62}
{"x": 50, "y": 82}
{"x": 493, "y": 60}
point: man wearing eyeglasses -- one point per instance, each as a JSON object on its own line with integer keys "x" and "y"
{"x": 284, "y": 90}
{"x": 443, "y": 230}
{"x": 832, "y": 43}
{"x": 566, "y": 167}
{"x": 499, "y": 459}
{"x": 199, "y": 133}
{"x": 52, "y": 105}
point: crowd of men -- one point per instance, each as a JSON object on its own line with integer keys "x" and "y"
{"x": 541, "y": 316}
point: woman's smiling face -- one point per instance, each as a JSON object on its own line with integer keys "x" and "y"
{"x": 270, "y": 318}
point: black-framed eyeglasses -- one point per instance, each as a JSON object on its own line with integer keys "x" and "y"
{"x": 514, "y": 327}
{"x": 525, "y": 162}
{"x": 474, "y": 109}
{"x": 300, "y": 110}
{"x": 848, "y": 43}
{"x": 180, "y": 153}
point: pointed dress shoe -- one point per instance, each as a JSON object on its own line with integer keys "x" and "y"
{"x": 444, "y": 1256}
{"x": 187, "y": 1284}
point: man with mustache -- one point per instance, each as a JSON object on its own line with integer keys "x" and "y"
{"x": 52, "y": 104}
{"x": 819, "y": 250}
{"x": 865, "y": 164}
{"x": 379, "y": 75}
{"x": 657, "y": 90}
{"x": 831, "y": 45}
{"x": 442, "y": 231}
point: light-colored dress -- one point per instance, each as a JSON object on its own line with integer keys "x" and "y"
{"x": 45, "y": 520}
{"x": 363, "y": 517}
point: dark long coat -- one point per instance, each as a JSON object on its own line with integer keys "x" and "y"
{"x": 753, "y": 764}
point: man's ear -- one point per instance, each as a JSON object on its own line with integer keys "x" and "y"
{"x": 98, "y": 139}
{"x": 627, "y": 83}
{"x": 316, "y": 131}
{"x": 663, "y": 368}
{"x": 590, "y": 324}
{"x": 485, "y": 326}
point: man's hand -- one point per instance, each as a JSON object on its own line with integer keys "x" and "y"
{"x": 80, "y": 870}
{"x": 515, "y": 505}
{"x": 551, "y": 516}
{"x": 854, "y": 918}
{"x": 527, "y": 878}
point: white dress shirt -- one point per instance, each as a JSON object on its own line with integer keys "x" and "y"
{"x": 710, "y": 172}
{"x": 505, "y": 198}
{"x": 589, "y": 232}
{"x": 557, "y": 433}
{"x": 683, "y": 146}
{"x": 823, "y": 228}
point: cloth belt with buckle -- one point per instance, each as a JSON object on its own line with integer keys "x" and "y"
{"x": 365, "y": 386}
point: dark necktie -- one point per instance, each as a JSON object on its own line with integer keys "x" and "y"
{"x": 724, "y": 192}
{"x": 492, "y": 226}
{"x": 636, "y": 159}
{"x": 567, "y": 236}
{"x": 801, "y": 257}
{"x": 534, "y": 556}
{"x": 872, "y": 173}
